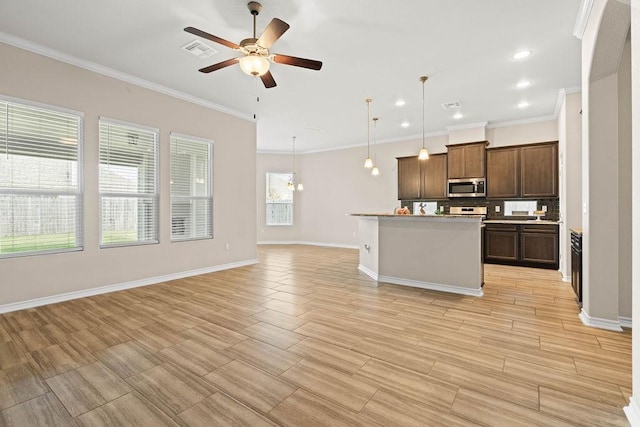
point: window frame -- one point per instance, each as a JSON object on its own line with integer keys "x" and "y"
{"x": 78, "y": 193}
{"x": 267, "y": 203}
{"x": 209, "y": 197}
{"x": 156, "y": 186}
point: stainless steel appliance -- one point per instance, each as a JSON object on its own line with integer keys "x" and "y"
{"x": 461, "y": 210}
{"x": 475, "y": 187}
{"x": 576, "y": 265}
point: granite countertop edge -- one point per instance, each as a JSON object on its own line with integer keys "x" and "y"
{"x": 521, "y": 221}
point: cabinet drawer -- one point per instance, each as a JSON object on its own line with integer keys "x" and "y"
{"x": 539, "y": 228}
{"x": 501, "y": 227}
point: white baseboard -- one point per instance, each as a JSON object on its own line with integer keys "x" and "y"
{"x": 298, "y": 242}
{"x": 626, "y": 322}
{"x": 632, "y": 411}
{"x": 431, "y": 286}
{"x": 22, "y": 305}
{"x": 594, "y": 322}
{"x": 368, "y": 272}
{"x": 566, "y": 278}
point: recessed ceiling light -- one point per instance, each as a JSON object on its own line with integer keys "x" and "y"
{"x": 405, "y": 124}
{"x": 523, "y": 84}
{"x": 522, "y": 54}
{"x": 524, "y": 104}
{"x": 400, "y": 102}
{"x": 457, "y": 116}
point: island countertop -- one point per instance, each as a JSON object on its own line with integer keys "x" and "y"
{"x": 437, "y": 252}
{"x": 388, "y": 215}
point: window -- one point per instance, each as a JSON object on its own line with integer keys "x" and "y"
{"x": 128, "y": 184}
{"x": 40, "y": 184}
{"x": 279, "y": 199}
{"x": 191, "y": 193}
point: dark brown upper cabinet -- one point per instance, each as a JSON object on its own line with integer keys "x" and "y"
{"x": 466, "y": 160}
{"x": 539, "y": 170}
{"x": 523, "y": 171}
{"x": 422, "y": 179}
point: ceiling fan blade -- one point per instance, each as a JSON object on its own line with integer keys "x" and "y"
{"x": 219, "y": 65}
{"x": 272, "y": 33}
{"x": 297, "y": 62}
{"x": 211, "y": 37}
{"x": 268, "y": 80}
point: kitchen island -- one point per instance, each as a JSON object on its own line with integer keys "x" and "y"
{"x": 438, "y": 252}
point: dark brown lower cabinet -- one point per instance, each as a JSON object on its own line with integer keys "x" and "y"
{"x": 529, "y": 245}
{"x": 501, "y": 243}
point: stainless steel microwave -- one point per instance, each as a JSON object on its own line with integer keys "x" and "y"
{"x": 473, "y": 187}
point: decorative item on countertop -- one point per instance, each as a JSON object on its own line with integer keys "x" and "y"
{"x": 539, "y": 214}
{"x": 422, "y": 211}
{"x": 401, "y": 211}
{"x": 438, "y": 211}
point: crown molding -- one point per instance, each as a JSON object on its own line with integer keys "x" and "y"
{"x": 110, "y": 72}
{"x": 522, "y": 122}
{"x": 562, "y": 93}
{"x": 583, "y": 18}
{"x": 467, "y": 126}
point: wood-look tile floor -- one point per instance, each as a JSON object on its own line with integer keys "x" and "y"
{"x": 304, "y": 339}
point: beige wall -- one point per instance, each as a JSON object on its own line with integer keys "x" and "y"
{"x": 336, "y": 183}
{"x": 33, "y": 77}
{"x": 570, "y": 142}
{"x": 633, "y": 411}
{"x": 624, "y": 182}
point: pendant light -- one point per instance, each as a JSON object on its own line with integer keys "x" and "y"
{"x": 291, "y": 185}
{"x": 368, "y": 163}
{"x": 375, "y": 171}
{"x": 423, "y": 154}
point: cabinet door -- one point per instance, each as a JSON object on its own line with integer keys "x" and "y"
{"x": 501, "y": 243}
{"x": 474, "y": 160}
{"x": 539, "y": 170}
{"x": 503, "y": 178}
{"x": 434, "y": 177}
{"x": 455, "y": 162}
{"x": 539, "y": 248}
{"x": 408, "y": 178}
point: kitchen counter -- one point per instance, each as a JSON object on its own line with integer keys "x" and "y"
{"x": 438, "y": 252}
{"x": 521, "y": 221}
{"x": 387, "y": 215}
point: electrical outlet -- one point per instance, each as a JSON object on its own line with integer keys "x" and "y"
{"x": 544, "y": 208}
{"x": 227, "y": 246}
{"x": 498, "y": 208}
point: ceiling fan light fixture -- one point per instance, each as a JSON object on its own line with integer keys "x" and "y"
{"x": 254, "y": 65}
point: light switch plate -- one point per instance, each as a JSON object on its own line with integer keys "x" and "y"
{"x": 497, "y": 208}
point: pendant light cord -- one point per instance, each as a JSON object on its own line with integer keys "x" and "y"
{"x": 368, "y": 101}
{"x": 423, "y": 79}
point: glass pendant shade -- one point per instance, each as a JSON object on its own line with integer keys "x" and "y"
{"x": 300, "y": 186}
{"x": 254, "y": 65}
{"x": 368, "y": 163}
{"x": 375, "y": 171}
{"x": 423, "y": 154}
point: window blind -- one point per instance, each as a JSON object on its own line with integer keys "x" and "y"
{"x": 191, "y": 188}
{"x": 279, "y": 197}
{"x": 128, "y": 183}
{"x": 40, "y": 179}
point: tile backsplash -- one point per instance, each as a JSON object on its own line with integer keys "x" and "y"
{"x": 552, "y": 204}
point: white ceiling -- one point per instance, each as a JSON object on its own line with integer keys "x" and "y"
{"x": 369, "y": 49}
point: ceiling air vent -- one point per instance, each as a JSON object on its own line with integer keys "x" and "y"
{"x": 199, "y": 49}
{"x": 452, "y": 104}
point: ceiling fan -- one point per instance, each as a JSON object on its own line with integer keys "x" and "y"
{"x": 256, "y": 58}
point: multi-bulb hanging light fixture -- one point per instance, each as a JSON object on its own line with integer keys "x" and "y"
{"x": 368, "y": 163}
{"x": 291, "y": 185}
{"x": 375, "y": 171}
{"x": 423, "y": 154}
